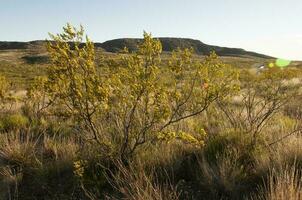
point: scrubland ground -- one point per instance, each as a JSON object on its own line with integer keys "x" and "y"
{"x": 133, "y": 126}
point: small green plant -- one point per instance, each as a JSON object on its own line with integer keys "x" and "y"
{"x": 13, "y": 122}
{"x": 3, "y": 86}
{"x": 3, "y": 90}
{"x": 36, "y": 98}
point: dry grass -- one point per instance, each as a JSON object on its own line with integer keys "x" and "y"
{"x": 18, "y": 149}
{"x": 224, "y": 178}
{"x": 61, "y": 150}
{"x": 135, "y": 183}
{"x": 283, "y": 184}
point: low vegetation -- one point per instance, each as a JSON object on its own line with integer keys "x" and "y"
{"x": 137, "y": 126}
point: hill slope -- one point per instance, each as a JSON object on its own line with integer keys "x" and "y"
{"x": 169, "y": 44}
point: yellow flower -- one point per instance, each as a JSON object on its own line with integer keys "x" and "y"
{"x": 79, "y": 168}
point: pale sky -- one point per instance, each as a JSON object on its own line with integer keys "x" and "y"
{"x": 273, "y": 27}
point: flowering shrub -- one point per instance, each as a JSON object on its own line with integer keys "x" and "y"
{"x": 128, "y": 101}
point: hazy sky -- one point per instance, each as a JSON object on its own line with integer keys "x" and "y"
{"x": 273, "y": 27}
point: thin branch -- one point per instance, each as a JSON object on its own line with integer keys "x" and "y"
{"x": 285, "y": 136}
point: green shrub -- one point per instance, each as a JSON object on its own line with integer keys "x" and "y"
{"x": 14, "y": 121}
{"x": 237, "y": 141}
{"x": 53, "y": 180}
{"x": 226, "y": 167}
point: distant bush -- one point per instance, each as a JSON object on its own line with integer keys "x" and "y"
{"x": 36, "y": 59}
{"x": 261, "y": 97}
{"x": 3, "y": 88}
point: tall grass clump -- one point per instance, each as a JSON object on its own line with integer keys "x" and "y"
{"x": 283, "y": 183}
{"x": 136, "y": 183}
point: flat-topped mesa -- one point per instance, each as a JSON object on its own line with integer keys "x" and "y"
{"x": 168, "y": 44}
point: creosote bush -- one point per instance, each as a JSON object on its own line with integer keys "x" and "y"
{"x": 261, "y": 97}
{"x": 128, "y": 102}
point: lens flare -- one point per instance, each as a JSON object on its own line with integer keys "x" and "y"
{"x": 282, "y": 62}
{"x": 271, "y": 65}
